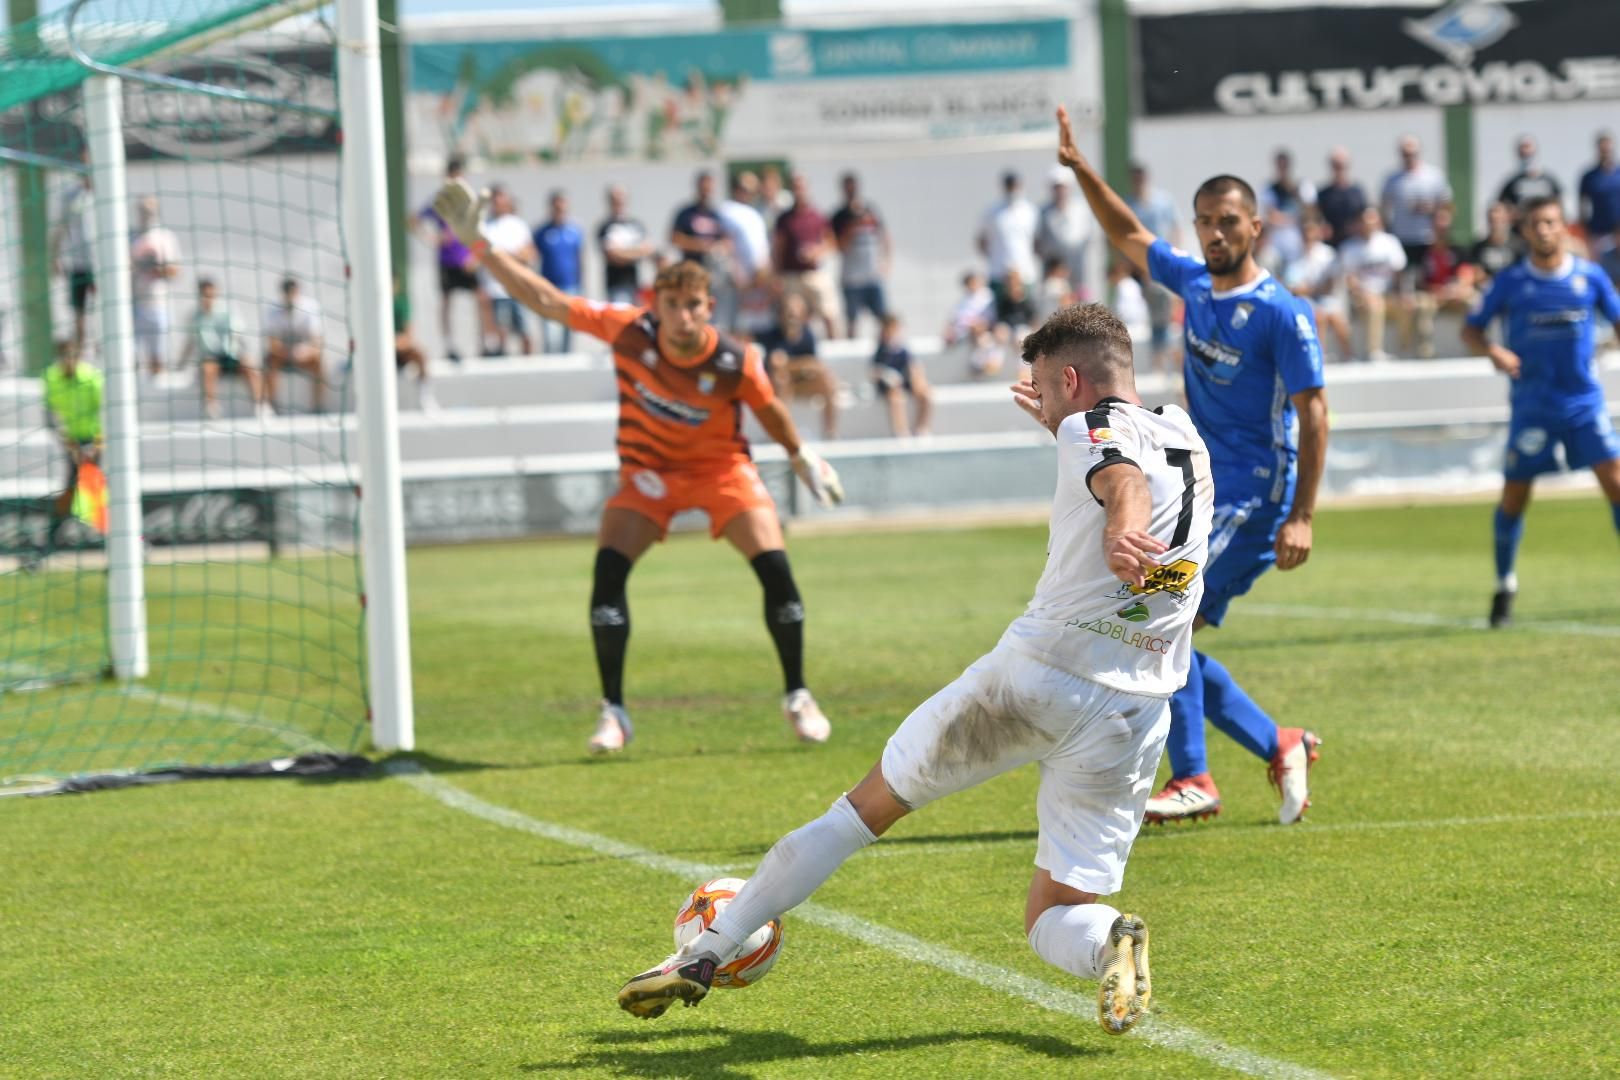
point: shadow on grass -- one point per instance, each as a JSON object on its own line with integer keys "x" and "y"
{"x": 656, "y": 1053}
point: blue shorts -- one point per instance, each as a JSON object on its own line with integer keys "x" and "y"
{"x": 1242, "y": 546}
{"x": 1587, "y": 440}
{"x": 858, "y": 298}
{"x": 508, "y": 313}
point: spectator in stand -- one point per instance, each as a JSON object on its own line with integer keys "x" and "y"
{"x": 802, "y": 242}
{"x": 1015, "y": 309}
{"x": 1341, "y": 199}
{"x": 625, "y": 245}
{"x": 1056, "y": 291}
{"x": 1441, "y": 285}
{"x": 1411, "y": 196}
{"x": 699, "y": 235}
{"x": 70, "y": 250}
{"x": 897, "y": 373}
{"x": 561, "y": 246}
{"x": 1007, "y": 234}
{"x": 293, "y": 338}
{"x": 154, "y": 258}
{"x": 773, "y": 199}
{"x": 972, "y": 323}
{"x": 863, "y": 245}
{"x": 750, "y": 244}
{"x": 1371, "y": 259}
{"x": 1315, "y": 277}
{"x": 1494, "y": 252}
{"x": 1531, "y": 181}
{"x": 1127, "y": 301}
{"x": 458, "y": 269}
{"x": 215, "y": 340}
{"x": 1157, "y": 213}
{"x": 790, "y": 357}
{"x": 1283, "y": 203}
{"x": 507, "y": 232}
{"x": 1064, "y": 231}
{"x": 408, "y": 355}
{"x": 1610, "y": 260}
{"x": 1600, "y": 198}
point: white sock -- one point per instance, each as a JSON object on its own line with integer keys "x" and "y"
{"x": 1074, "y": 938}
{"x": 1508, "y": 582}
{"x": 788, "y": 874}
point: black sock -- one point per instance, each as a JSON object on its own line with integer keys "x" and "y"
{"x": 784, "y": 614}
{"x": 610, "y": 621}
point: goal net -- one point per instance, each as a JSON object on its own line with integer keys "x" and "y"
{"x": 179, "y": 570}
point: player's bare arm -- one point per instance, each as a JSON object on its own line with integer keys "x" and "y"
{"x": 1129, "y": 549}
{"x": 1502, "y": 358}
{"x": 1294, "y": 536}
{"x": 1125, "y": 230}
{"x": 463, "y": 210}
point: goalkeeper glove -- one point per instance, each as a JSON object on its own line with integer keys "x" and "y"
{"x": 820, "y": 477}
{"x": 462, "y": 209}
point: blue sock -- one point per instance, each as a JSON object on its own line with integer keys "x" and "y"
{"x": 1235, "y": 713}
{"x": 1509, "y": 531}
{"x": 1185, "y": 743}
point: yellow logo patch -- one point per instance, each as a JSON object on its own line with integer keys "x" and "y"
{"x": 1171, "y": 578}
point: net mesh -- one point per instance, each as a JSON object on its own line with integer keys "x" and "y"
{"x": 248, "y": 503}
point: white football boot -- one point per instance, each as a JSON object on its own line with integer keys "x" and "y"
{"x": 613, "y": 730}
{"x": 1122, "y": 999}
{"x": 809, "y": 723}
{"x": 1290, "y": 771}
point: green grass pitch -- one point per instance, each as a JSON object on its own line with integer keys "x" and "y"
{"x": 1448, "y": 909}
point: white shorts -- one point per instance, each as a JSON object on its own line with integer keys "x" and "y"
{"x": 152, "y": 332}
{"x": 1098, "y": 750}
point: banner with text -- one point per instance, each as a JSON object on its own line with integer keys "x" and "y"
{"x": 1480, "y": 52}
{"x": 736, "y": 93}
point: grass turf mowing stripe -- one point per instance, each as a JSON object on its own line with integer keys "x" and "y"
{"x": 1161, "y": 1033}
{"x": 1423, "y": 618}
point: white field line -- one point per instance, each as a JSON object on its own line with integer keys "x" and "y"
{"x": 1423, "y": 618}
{"x": 1161, "y": 1033}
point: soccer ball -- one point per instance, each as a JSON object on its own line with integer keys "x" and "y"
{"x": 759, "y": 952}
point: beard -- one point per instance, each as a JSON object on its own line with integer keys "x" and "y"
{"x": 1224, "y": 261}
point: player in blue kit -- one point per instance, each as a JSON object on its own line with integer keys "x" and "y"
{"x": 1547, "y": 302}
{"x": 1253, "y": 370}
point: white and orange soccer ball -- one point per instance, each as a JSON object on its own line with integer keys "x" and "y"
{"x": 759, "y": 952}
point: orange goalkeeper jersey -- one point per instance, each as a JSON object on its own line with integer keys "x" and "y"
{"x": 675, "y": 414}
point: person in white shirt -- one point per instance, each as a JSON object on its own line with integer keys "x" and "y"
{"x": 750, "y": 255}
{"x": 1283, "y": 205}
{"x": 1128, "y": 302}
{"x": 1007, "y": 234}
{"x": 154, "y": 259}
{"x": 1080, "y": 684}
{"x": 1315, "y": 275}
{"x": 973, "y": 322}
{"x": 292, "y": 338}
{"x": 1064, "y": 231}
{"x": 1371, "y": 260}
{"x": 507, "y": 232}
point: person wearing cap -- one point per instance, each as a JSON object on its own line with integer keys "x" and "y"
{"x": 292, "y": 338}
{"x": 1007, "y": 235}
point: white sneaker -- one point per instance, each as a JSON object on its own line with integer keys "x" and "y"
{"x": 613, "y": 730}
{"x": 1290, "y": 771}
{"x": 213, "y": 411}
{"x": 809, "y": 723}
{"x": 265, "y": 410}
{"x": 425, "y": 398}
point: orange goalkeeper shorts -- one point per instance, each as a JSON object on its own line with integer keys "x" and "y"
{"x": 721, "y": 491}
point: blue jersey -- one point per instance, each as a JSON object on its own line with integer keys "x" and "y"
{"x": 1249, "y": 350}
{"x": 1549, "y": 324}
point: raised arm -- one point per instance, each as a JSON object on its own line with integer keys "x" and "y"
{"x": 1124, "y": 229}
{"x": 462, "y": 210}
{"x": 1130, "y": 550}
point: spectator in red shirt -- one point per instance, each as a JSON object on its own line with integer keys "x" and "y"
{"x": 1445, "y": 281}
{"x": 802, "y": 242}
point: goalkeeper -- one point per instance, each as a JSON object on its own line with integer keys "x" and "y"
{"x": 680, "y": 447}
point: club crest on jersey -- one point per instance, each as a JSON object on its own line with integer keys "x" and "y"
{"x": 1101, "y": 434}
{"x": 706, "y": 383}
{"x": 1578, "y": 283}
{"x": 1240, "y": 317}
{"x": 649, "y": 357}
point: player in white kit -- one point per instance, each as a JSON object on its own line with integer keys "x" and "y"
{"x": 1079, "y": 684}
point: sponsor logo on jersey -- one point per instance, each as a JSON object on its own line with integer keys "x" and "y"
{"x": 649, "y": 483}
{"x": 1171, "y": 578}
{"x": 726, "y": 361}
{"x": 1122, "y": 634}
{"x": 669, "y": 409}
{"x": 1137, "y": 612}
{"x": 1102, "y": 434}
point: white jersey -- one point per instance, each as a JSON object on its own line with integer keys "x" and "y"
{"x": 1084, "y": 620}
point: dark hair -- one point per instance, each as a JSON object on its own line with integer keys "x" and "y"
{"x": 1089, "y": 338}
{"x": 289, "y": 283}
{"x": 1539, "y": 202}
{"x": 456, "y": 163}
{"x": 1220, "y": 185}
{"x": 205, "y": 283}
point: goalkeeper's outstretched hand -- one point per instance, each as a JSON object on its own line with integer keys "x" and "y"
{"x": 820, "y": 477}
{"x": 462, "y": 209}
